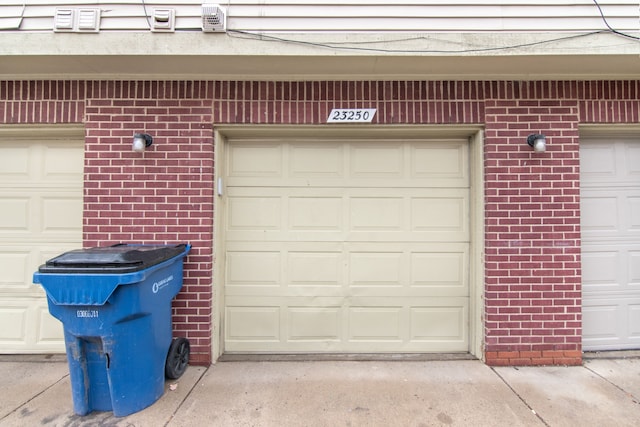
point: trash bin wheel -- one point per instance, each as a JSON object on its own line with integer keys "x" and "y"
{"x": 177, "y": 358}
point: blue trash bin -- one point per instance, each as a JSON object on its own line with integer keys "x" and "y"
{"x": 115, "y": 306}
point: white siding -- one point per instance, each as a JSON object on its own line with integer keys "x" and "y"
{"x": 345, "y": 15}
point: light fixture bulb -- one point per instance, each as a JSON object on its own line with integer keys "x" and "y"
{"x": 138, "y": 145}
{"x": 538, "y": 142}
{"x": 540, "y": 145}
{"x": 141, "y": 141}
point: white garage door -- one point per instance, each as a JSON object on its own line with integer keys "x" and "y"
{"x": 610, "y": 194}
{"x": 347, "y": 246}
{"x": 40, "y": 217}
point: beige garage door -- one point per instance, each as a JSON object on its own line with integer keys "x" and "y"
{"x": 610, "y": 194}
{"x": 41, "y": 216}
{"x": 347, "y": 246}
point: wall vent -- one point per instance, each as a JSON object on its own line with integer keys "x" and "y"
{"x": 214, "y": 18}
{"x": 77, "y": 20}
{"x": 63, "y": 20}
{"x": 163, "y": 20}
{"x": 89, "y": 20}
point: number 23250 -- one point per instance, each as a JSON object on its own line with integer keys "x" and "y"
{"x": 361, "y": 115}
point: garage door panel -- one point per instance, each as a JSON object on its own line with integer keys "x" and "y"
{"x": 633, "y": 203}
{"x": 436, "y": 161}
{"x": 441, "y": 214}
{"x": 255, "y": 159}
{"x": 634, "y": 268}
{"x": 41, "y": 184}
{"x": 296, "y": 182}
{"x": 60, "y": 214}
{"x": 16, "y": 270}
{"x": 351, "y": 325}
{"x": 440, "y": 323}
{"x": 634, "y": 321}
{"x": 317, "y": 160}
{"x": 15, "y": 163}
{"x": 314, "y": 269}
{"x": 13, "y": 323}
{"x": 376, "y": 213}
{"x": 418, "y": 164}
{"x": 348, "y": 269}
{"x": 603, "y": 268}
{"x": 314, "y": 324}
{"x": 612, "y": 322}
{"x": 609, "y": 161}
{"x": 378, "y": 324}
{"x": 598, "y": 162}
{"x": 19, "y": 262}
{"x": 347, "y": 246}
{"x": 600, "y": 213}
{"x": 49, "y": 160}
{"x": 254, "y": 213}
{"x": 370, "y": 160}
{"x": 251, "y": 324}
{"x": 443, "y": 270}
{"x": 27, "y": 327}
{"x": 632, "y": 159}
{"x": 14, "y": 213}
{"x": 377, "y": 269}
{"x": 610, "y": 210}
{"x": 34, "y": 216}
{"x": 315, "y": 213}
{"x": 62, "y": 162}
{"x": 601, "y": 323}
{"x": 253, "y": 269}
{"x": 350, "y": 214}
{"x": 50, "y": 333}
{"x": 611, "y": 213}
{"x": 356, "y": 246}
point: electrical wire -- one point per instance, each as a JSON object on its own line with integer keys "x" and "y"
{"x": 341, "y": 46}
{"x": 614, "y": 31}
{"x": 146, "y": 14}
{"x": 24, "y": 8}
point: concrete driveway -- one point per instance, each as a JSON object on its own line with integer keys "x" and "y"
{"x": 603, "y": 392}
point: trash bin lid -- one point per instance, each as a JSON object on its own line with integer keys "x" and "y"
{"x": 116, "y": 259}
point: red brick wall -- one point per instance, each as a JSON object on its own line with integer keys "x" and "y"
{"x": 532, "y": 215}
{"x": 41, "y": 102}
{"x": 163, "y": 195}
{"x": 532, "y": 230}
{"x": 397, "y": 102}
{"x": 532, "y": 234}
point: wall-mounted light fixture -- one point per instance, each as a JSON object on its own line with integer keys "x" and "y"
{"x": 141, "y": 141}
{"x": 538, "y": 142}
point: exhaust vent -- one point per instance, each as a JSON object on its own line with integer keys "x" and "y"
{"x": 64, "y": 19}
{"x": 76, "y": 20}
{"x": 89, "y": 20}
{"x": 163, "y": 20}
{"x": 214, "y": 18}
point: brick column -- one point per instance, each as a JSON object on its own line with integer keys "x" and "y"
{"x": 532, "y": 234}
{"x": 164, "y": 195}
